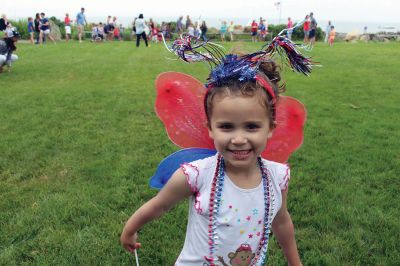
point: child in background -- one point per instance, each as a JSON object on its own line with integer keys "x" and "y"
{"x": 190, "y": 30}
{"x": 290, "y": 30}
{"x": 67, "y": 22}
{"x": 100, "y": 31}
{"x": 306, "y": 29}
{"x": 231, "y": 29}
{"x": 254, "y": 27}
{"x": 116, "y": 33}
{"x": 31, "y": 30}
{"x": 94, "y": 32}
{"x": 262, "y": 26}
{"x": 332, "y": 35}
{"x": 235, "y": 195}
{"x": 121, "y": 32}
{"x": 222, "y": 30}
{"x": 154, "y": 33}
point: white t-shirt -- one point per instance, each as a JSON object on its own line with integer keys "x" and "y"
{"x": 241, "y": 215}
{"x": 140, "y": 25}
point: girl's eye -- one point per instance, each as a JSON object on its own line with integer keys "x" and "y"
{"x": 253, "y": 126}
{"x": 225, "y": 126}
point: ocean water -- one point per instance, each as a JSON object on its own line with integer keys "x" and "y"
{"x": 340, "y": 26}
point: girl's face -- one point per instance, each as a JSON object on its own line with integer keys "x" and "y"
{"x": 240, "y": 129}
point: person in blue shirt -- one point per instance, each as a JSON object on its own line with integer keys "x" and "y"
{"x": 45, "y": 29}
{"x": 31, "y": 30}
{"x": 81, "y": 21}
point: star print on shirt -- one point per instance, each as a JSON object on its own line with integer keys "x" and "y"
{"x": 248, "y": 218}
{"x": 255, "y": 211}
{"x": 250, "y": 235}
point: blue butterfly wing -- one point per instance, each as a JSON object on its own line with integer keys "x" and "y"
{"x": 170, "y": 164}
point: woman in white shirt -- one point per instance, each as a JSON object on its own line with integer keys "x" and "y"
{"x": 140, "y": 30}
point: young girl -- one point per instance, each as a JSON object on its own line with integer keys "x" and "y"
{"x": 235, "y": 195}
{"x": 31, "y": 30}
{"x": 332, "y": 35}
{"x": 67, "y": 23}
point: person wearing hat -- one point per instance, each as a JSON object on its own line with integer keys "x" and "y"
{"x": 7, "y": 47}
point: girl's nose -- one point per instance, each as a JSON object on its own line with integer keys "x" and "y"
{"x": 239, "y": 139}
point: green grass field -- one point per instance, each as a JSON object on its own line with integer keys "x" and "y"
{"x": 80, "y": 139}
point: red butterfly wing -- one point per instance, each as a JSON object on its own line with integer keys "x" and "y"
{"x": 288, "y": 135}
{"x": 179, "y": 105}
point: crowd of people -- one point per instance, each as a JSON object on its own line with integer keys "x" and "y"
{"x": 39, "y": 30}
{"x": 310, "y": 30}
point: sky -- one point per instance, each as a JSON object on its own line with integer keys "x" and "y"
{"x": 336, "y": 10}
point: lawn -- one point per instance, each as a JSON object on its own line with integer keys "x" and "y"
{"x": 80, "y": 139}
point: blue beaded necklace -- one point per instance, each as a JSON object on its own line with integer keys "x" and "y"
{"x": 215, "y": 204}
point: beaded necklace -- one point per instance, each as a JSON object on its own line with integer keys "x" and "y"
{"x": 215, "y": 204}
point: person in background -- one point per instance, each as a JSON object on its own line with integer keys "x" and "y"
{"x": 203, "y": 29}
{"x": 188, "y": 22}
{"x": 196, "y": 30}
{"x": 81, "y": 22}
{"x": 7, "y": 48}
{"x": 190, "y": 30}
{"x": 231, "y": 29}
{"x": 313, "y": 29}
{"x": 289, "y": 27}
{"x": 179, "y": 25}
{"x": 37, "y": 27}
{"x": 222, "y": 30}
{"x": 151, "y": 25}
{"x": 67, "y": 23}
{"x": 263, "y": 31}
{"x": 45, "y": 29}
{"x": 121, "y": 32}
{"x": 100, "y": 31}
{"x": 31, "y": 30}
{"x": 254, "y": 28}
{"x": 116, "y": 33}
{"x": 154, "y": 33}
{"x": 112, "y": 24}
{"x": 94, "y": 32}
{"x": 140, "y": 30}
{"x": 306, "y": 29}
{"x": 327, "y": 31}
{"x": 332, "y": 35}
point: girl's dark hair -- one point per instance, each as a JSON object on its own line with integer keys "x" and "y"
{"x": 140, "y": 15}
{"x": 269, "y": 71}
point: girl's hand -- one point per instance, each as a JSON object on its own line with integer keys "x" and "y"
{"x": 129, "y": 242}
